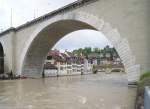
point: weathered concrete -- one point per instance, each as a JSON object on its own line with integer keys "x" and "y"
{"x": 128, "y": 30}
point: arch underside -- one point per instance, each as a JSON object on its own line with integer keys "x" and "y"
{"x": 45, "y": 39}
{"x": 44, "y": 42}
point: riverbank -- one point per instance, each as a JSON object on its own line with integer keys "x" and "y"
{"x": 140, "y": 94}
{"x": 6, "y": 76}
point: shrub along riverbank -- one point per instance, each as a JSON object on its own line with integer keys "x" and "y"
{"x": 144, "y": 81}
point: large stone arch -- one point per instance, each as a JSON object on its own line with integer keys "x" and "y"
{"x": 31, "y": 63}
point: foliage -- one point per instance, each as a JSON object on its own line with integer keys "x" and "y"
{"x": 94, "y": 69}
{"x": 108, "y": 66}
{"x": 88, "y": 50}
{"x": 84, "y": 51}
{"x": 145, "y": 75}
{"x": 142, "y": 77}
{"x": 96, "y": 50}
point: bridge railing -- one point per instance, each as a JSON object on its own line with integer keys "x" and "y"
{"x": 147, "y": 98}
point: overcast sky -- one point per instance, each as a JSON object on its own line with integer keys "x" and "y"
{"x": 26, "y": 10}
{"x": 82, "y": 38}
{"x": 23, "y": 10}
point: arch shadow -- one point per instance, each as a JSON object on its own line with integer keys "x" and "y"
{"x": 1, "y": 59}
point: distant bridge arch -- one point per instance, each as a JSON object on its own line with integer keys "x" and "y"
{"x": 1, "y": 59}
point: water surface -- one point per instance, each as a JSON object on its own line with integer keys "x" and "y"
{"x": 99, "y": 91}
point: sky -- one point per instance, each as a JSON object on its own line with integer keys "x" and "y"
{"x": 82, "y": 39}
{"x": 26, "y": 10}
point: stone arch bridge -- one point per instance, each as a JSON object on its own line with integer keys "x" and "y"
{"x": 123, "y": 22}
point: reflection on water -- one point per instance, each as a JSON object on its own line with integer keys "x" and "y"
{"x": 98, "y": 91}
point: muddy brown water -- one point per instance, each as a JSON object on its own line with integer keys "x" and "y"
{"x": 94, "y": 91}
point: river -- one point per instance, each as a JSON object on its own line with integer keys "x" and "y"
{"x": 93, "y": 91}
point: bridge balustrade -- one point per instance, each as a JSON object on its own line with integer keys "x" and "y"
{"x": 147, "y": 98}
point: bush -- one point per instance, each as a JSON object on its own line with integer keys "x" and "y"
{"x": 108, "y": 66}
{"x": 140, "y": 91}
{"x": 142, "y": 77}
{"x": 145, "y": 75}
{"x": 94, "y": 69}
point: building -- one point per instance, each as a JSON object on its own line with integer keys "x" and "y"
{"x": 66, "y": 63}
